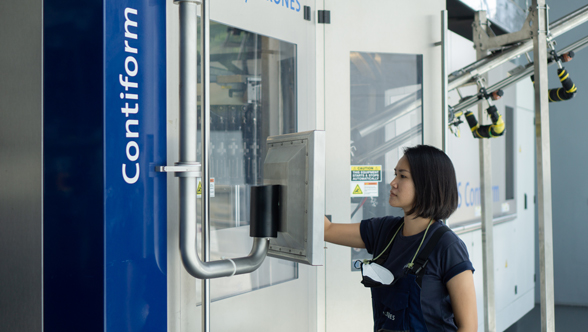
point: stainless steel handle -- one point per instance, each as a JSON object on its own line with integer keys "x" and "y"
{"x": 198, "y": 268}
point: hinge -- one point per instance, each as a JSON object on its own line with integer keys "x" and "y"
{"x": 324, "y": 16}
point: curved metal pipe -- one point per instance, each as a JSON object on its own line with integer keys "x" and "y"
{"x": 188, "y": 182}
{"x": 188, "y": 244}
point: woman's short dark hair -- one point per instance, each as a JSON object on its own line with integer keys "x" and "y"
{"x": 434, "y": 182}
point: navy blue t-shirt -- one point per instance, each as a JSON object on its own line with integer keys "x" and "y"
{"x": 448, "y": 259}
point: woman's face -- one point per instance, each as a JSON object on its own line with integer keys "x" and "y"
{"x": 402, "y": 191}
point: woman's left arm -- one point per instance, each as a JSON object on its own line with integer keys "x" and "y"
{"x": 463, "y": 301}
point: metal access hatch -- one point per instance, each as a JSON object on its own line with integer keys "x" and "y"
{"x": 297, "y": 163}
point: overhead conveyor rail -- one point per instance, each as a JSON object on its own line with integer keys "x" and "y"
{"x": 468, "y": 74}
{"x": 471, "y": 74}
{"x": 519, "y": 74}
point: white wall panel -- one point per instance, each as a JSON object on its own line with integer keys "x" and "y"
{"x": 380, "y": 27}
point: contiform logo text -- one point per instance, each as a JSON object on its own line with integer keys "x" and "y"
{"x": 130, "y": 97}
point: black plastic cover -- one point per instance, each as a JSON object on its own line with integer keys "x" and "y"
{"x": 265, "y": 211}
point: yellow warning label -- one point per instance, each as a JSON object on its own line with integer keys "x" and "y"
{"x": 366, "y": 168}
{"x": 357, "y": 190}
{"x": 210, "y": 188}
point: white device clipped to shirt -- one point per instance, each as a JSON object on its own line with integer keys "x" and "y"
{"x": 378, "y": 273}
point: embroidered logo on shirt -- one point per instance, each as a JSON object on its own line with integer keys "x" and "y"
{"x": 389, "y": 315}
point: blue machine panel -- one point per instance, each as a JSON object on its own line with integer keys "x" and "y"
{"x": 134, "y": 143}
{"x": 72, "y": 166}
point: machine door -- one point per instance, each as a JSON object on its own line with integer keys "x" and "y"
{"x": 262, "y": 84}
{"x": 382, "y": 77}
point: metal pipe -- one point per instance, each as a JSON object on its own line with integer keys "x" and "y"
{"x": 188, "y": 74}
{"x": 392, "y": 112}
{"x": 529, "y": 69}
{"x": 214, "y": 269}
{"x": 490, "y": 62}
{"x": 485, "y": 156}
{"x": 391, "y": 144}
{"x": 568, "y": 22}
{"x": 205, "y": 130}
{"x": 576, "y": 46}
{"x": 188, "y": 180}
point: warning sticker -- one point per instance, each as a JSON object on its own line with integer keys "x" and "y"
{"x": 364, "y": 189}
{"x": 199, "y": 190}
{"x": 371, "y": 173}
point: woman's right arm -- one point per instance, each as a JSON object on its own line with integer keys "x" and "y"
{"x": 343, "y": 234}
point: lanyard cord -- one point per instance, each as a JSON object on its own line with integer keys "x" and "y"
{"x": 411, "y": 264}
{"x": 383, "y": 251}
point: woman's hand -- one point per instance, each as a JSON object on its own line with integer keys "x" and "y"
{"x": 463, "y": 301}
{"x": 343, "y": 234}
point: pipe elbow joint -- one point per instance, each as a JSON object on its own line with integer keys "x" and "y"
{"x": 225, "y": 267}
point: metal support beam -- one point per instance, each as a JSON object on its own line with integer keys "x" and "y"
{"x": 485, "y": 148}
{"x": 517, "y": 76}
{"x": 542, "y": 136}
{"x": 487, "y": 63}
{"x": 205, "y": 131}
{"x": 487, "y": 41}
{"x": 444, "y": 29}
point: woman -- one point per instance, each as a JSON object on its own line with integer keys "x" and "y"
{"x": 440, "y": 296}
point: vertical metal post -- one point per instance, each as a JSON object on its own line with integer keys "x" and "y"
{"x": 444, "y": 78}
{"x": 188, "y": 98}
{"x": 486, "y": 198}
{"x": 540, "y": 32}
{"x": 188, "y": 110}
{"x": 205, "y": 109}
{"x": 188, "y": 130}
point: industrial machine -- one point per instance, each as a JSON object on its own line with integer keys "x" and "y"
{"x": 167, "y": 166}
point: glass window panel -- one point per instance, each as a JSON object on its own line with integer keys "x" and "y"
{"x": 386, "y": 116}
{"x": 253, "y": 96}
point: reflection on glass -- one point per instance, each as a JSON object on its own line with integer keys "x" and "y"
{"x": 253, "y": 96}
{"x": 386, "y": 116}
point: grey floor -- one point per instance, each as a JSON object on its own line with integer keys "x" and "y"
{"x": 567, "y": 319}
